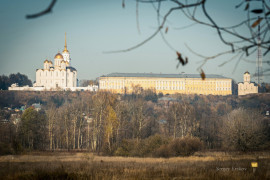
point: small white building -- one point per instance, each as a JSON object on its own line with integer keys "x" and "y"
{"x": 58, "y": 75}
{"x": 247, "y": 87}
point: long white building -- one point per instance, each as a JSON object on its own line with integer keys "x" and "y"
{"x": 166, "y": 83}
{"x": 58, "y": 75}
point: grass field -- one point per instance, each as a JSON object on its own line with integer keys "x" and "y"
{"x": 63, "y": 165}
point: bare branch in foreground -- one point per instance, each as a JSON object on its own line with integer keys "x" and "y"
{"x": 46, "y": 11}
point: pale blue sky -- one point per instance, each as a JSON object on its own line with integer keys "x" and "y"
{"x": 96, "y": 26}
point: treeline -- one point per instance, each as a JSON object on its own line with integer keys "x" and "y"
{"x": 21, "y": 79}
{"x": 140, "y": 124}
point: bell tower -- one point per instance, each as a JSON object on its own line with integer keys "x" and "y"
{"x": 65, "y": 53}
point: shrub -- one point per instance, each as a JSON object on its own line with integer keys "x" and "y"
{"x": 185, "y": 146}
{"x": 143, "y": 148}
{"x": 148, "y": 146}
{"x": 179, "y": 147}
{"x": 162, "y": 151}
{"x": 5, "y": 149}
{"x": 125, "y": 148}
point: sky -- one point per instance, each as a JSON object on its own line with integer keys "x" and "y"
{"x": 95, "y": 27}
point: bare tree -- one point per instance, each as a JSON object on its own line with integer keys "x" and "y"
{"x": 243, "y": 130}
{"x": 183, "y": 119}
{"x": 240, "y": 44}
{"x": 51, "y": 113}
{"x": 137, "y": 117}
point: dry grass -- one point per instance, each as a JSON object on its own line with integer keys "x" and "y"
{"x": 213, "y": 165}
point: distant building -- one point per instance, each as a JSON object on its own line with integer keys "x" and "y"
{"x": 247, "y": 87}
{"x": 166, "y": 83}
{"x": 58, "y": 75}
{"x": 36, "y": 106}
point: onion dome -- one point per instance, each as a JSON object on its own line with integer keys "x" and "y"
{"x": 62, "y": 61}
{"x": 46, "y": 61}
{"x": 246, "y": 72}
{"x": 58, "y": 56}
{"x": 50, "y": 62}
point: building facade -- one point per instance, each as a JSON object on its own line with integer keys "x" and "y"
{"x": 166, "y": 83}
{"x": 58, "y": 75}
{"x": 247, "y": 87}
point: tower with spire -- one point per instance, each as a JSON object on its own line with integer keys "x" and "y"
{"x": 65, "y": 53}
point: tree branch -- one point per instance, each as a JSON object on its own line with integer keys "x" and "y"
{"x": 46, "y": 11}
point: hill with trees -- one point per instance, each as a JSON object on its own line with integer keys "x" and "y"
{"x": 142, "y": 124}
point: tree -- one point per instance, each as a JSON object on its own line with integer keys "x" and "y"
{"x": 111, "y": 126}
{"x": 20, "y": 79}
{"x": 32, "y": 129}
{"x": 85, "y": 83}
{"x": 243, "y": 130}
{"x": 51, "y": 114}
{"x": 240, "y": 44}
{"x": 4, "y": 82}
{"x": 101, "y": 102}
{"x": 137, "y": 117}
{"x": 182, "y": 118}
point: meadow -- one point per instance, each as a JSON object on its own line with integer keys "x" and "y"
{"x": 83, "y": 165}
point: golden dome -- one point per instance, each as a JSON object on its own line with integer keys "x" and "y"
{"x": 46, "y": 61}
{"x": 62, "y": 61}
{"x": 50, "y": 62}
{"x": 65, "y": 51}
{"x": 58, "y": 56}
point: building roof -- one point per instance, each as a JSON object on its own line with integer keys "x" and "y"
{"x": 150, "y": 75}
{"x": 71, "y": 68}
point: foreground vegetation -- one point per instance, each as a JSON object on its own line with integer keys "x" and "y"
{"x": 211, "y": 165}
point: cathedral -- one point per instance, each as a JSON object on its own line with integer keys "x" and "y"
{"x": 58, "y": 75}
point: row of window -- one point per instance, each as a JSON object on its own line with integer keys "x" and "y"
{"x": 56, "y": 74}
{"x": 51, "y": 81}
{"x": 224, "y": 83}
